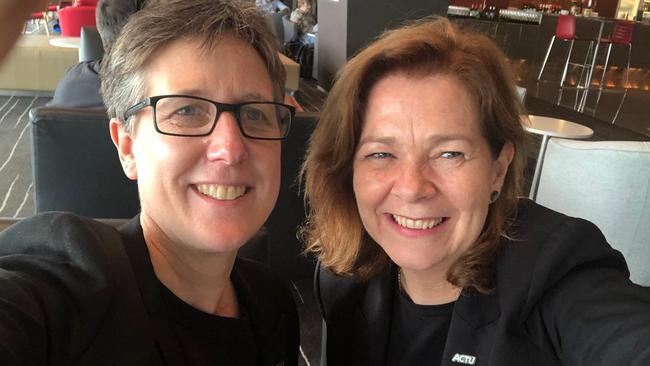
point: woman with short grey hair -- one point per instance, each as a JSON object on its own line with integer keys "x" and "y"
{"x": 193, "y": 89}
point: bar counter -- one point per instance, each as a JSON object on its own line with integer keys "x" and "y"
{"x": 529, "y": 41}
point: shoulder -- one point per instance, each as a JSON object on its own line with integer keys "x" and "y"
{"x": 55, "y": 229}
{"x": 545, "y": 248}
{"x": 560, "y": 277}
{"x": 79, "y": 87}
{"x": 63, "y": 238}
{"x": 541, "y": 231}
{"x": 84, "y": 69}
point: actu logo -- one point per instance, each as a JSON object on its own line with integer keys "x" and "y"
{"x": 464, "y": 359}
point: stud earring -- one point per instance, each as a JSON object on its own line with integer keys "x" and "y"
{"x": 493, "y": 196}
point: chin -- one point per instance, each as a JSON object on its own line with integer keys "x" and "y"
{"x": 223, "y": 241}
{"x": 417, "y": 261}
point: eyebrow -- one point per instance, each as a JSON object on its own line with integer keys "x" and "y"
{"x": 434, "y": 140}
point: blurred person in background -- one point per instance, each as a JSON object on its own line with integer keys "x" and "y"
{"x": 272, "y": 6}
{"x": 79, "y": 87}
{"x": 306, "y": 21}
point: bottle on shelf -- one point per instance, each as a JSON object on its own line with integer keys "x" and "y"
{"x": 586, "y": 9}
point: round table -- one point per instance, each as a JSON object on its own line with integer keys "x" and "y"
{"x": 551, "y": 127}
{"x": 67, "y": 42}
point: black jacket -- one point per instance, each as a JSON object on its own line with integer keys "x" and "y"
{"x": 77, "y": 292}
{"x": 562, "y": 297}
{"x": 79, "y": 87}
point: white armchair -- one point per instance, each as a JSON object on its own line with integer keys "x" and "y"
{"x": 607, "y": 183}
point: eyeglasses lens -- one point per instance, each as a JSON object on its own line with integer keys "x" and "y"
{"x": 194, "y": 117}
{"x": 185, "y": 116}
{"x": 265, "y": 120}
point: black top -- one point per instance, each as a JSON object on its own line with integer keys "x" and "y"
{"x": 207, "y": 339}
{"x": 417, "y": 333}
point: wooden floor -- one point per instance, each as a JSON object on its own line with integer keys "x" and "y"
{"x": 309, "y": 96}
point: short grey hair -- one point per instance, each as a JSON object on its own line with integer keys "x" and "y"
{"x": 124, "y": 68}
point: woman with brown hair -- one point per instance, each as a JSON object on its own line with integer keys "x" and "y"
{"x": 427, "y": 254}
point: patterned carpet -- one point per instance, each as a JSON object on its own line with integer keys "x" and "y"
{"x": 16, "y": 193}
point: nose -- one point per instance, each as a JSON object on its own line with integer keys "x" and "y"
{"x": 414, "y": 182}
{"x": 226, "y": 142}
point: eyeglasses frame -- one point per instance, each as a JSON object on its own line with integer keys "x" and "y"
{"x": 221, "y": 107}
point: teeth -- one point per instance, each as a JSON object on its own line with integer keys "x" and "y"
{"x": 417, "y": 224}
{"x": 225, "y": 193}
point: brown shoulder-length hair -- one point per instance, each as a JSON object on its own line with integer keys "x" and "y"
{"x": 334, "y": 231}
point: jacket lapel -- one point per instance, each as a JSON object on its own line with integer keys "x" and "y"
{"x": 470, "y": 336}
{"x": 269, "y": 323}
{"x": 149, "y": 286}
{"x": 372, "y": 322}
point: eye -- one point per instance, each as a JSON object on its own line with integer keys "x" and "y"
{"x": 379, "y": 155}
{"x": 253, "y": 114}
{"x": 452, "y": 155}
{"x": 188, "y": 110}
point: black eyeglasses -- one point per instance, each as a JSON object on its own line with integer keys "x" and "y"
{"x": 185, "y": 115}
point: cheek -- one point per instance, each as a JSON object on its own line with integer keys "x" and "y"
{"x": 370, "y": 188}
{"x": 467, "y": 187}
{"x": 266, "y": 159}
{"x": 156, "y": 157}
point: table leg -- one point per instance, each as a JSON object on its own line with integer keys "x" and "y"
{"x": 538, "y": 168}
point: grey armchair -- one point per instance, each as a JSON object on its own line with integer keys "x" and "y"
{"x": 607, "y": 183}
{"x": 75, "y": 165}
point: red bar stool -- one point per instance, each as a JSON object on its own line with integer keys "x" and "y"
{"x": 621, "y": 35}
{"x": 566, "y": 31}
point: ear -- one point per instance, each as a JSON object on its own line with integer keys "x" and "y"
{"x": 124, "y": 144}
{"x": 501, "y": 165}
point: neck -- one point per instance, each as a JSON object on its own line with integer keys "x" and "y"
{"x": 199, "y": 279}
{"x": 427, "y": 289}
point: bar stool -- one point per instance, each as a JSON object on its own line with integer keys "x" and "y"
{"x": 621, "y": 35}
{"x": 36, "y": 17}
{"x": 566, "y": 31}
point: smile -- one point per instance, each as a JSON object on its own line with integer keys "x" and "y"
{"x": 417, "y": 224}
{"x": 224, "y": 193}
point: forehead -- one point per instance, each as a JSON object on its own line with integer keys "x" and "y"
{"x": 229, "y": 66}
{"x": 426, "y": 103}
